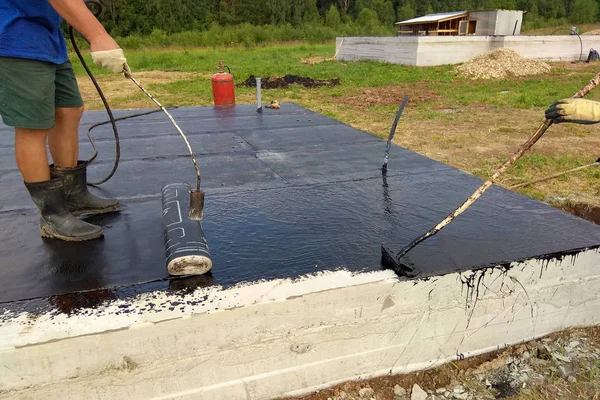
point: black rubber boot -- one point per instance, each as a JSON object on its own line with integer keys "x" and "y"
{"x": 56, "y": 222}
{"x": 79, "y": 199}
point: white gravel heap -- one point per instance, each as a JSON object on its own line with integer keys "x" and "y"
{"x": 594, "y": 32}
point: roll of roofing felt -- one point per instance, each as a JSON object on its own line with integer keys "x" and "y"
{"x": 187, "y": 250}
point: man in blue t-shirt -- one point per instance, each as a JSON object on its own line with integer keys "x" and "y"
{"x": 40, "y": 98}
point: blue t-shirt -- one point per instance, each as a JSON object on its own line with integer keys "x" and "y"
{"x": 31, "y": 29}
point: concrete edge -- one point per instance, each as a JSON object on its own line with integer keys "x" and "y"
{"x": 295, "y": 337}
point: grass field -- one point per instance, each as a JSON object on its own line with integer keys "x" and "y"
{"x": 472, "y": 125}
{"x": 562, "y": 29}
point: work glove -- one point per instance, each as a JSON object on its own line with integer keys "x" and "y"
{"x": 579, "y": 111}
{"x": 112, "y": 60}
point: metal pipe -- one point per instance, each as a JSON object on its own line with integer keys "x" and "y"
{"x": 185, "y": 139}
{"x": 258, "y": 95}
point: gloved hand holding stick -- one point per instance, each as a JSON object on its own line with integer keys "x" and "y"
{"x": 387, "y": 257}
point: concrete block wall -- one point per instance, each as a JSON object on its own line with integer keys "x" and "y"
{"x": 454, "y": 49}
{"x": 395, "y": 50}
{"x": 553, "y": 48}
{"x": 440, "y": 50}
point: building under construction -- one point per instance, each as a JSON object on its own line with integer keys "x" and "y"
{"x": 462, "y": 23}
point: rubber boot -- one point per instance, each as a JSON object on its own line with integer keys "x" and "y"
{"x": 79, "y": 199}
{"x": 56, "y": 222}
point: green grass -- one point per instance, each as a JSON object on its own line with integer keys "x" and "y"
{"x": 565, "y": 162}
{"x": 561, "y": 29}
{"x": 520, "y": 93}
{"x": 281, "y": 60}
{"x": 270, "y": 61}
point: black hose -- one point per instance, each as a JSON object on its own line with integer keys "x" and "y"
{"x": 580, "y": 41}
{"x": 108, "y": 111}
{"x": 96, "y": 8}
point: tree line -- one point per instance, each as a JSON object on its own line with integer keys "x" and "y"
{"x": 142, "y": 17}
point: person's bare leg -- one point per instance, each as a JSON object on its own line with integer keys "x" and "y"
{"x": 63, "y": 139}
{"x": 30, "y": 153}
{"x": 64, "y": 146}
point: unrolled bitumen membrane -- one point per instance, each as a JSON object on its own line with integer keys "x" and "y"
{"x": 289, "y": 192}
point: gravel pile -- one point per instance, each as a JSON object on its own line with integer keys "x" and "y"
{"x": 501, "y": 63}
{"x": 594, "y": 32}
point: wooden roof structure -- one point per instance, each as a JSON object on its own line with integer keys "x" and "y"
{"x": 440, "y": 24}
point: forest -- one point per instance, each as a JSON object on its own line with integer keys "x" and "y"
{"x": 211, "y": 22}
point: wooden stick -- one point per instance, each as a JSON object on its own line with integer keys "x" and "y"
{"x": 554, "y": 176}
{"x": 339, "y": 48}
{"x": 483, "y": 188}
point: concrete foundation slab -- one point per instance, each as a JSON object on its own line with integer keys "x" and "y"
{"x": 296, "y": 212}
{"x": 442, "y": 50}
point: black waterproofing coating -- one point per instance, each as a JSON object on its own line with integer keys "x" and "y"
{"x": 288, "y": 192}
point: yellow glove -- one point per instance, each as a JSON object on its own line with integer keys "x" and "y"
{"x": 112, "y": 60}
{"x": 579, "y": 111}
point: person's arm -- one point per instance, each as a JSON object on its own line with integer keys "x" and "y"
{"x": 76, "y": 13}
{"x": 579, "y": 111}
{"x": 104, "y": 50}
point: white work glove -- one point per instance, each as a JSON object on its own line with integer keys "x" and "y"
{"x": 112, "y": 60}
{"x": 579, "y": 111}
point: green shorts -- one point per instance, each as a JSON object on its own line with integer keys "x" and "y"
{"x": 30, "y": 91}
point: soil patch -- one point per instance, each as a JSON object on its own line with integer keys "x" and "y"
{"x": 275, "y": 82}
{"x": 586, "y": 211}
{"x": 387, "y": 96}
{"x": 117, "y": 88}
{"x": 501, "y": 63}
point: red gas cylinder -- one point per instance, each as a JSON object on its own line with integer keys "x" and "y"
{"x": 222, "y": 86}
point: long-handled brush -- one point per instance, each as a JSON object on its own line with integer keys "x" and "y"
{"x": 394, "y": 261}
{"x": 196, "y": 195}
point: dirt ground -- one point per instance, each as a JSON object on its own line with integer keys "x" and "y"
{"x": 388, "y": 96}
{"x": 565, "y": 366}
{"x": 284, "y": 82}
{"x": 316, "y": 60}
{"x": 115, "y": 88}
